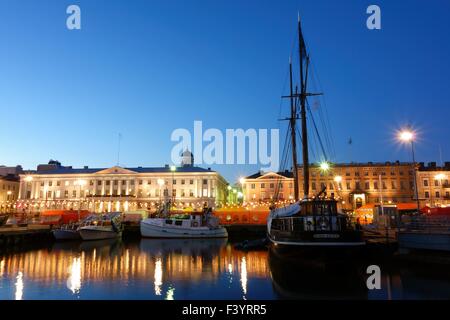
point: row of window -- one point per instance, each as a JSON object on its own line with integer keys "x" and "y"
{"x": 8, "y": 187}
{"x": 366, "y": 173}
{"x": 437, "y": 194}
{"x": 116, "y": 182}
{"x": 436, "y": 183}
{"x": 83, "y": 193}
{"x": 347, "y": 184}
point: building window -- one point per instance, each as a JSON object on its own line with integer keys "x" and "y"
{"x": 367, "y": 185}
{"x": 50, "y": 183}
{"x": 58, "y": 183}
{"x": 366, "y": 173}
{"x": 402, "y": 185}
{"x": 42, "y": 183}
{"x": 263, "y": 185}
{"x": 252, "y": 186}
{"x": 74, "y": 193}
{"x": 436, "y": 183}
{"x": 174, "y": 181}
{"x": 425, "y": 183}
{"x": 375, "y": 185}
{"x": 191, "y": 181}
{"x": 174, "y": 192}
{"x": 393, "y": 185}
{"x": 356, "y": 174}
{"x": 141, "y": 182}
{"x": 331, "y": 186}
{"x": 347, "y": 174}
{"x": 438, "y": 195}
{"x": 348, "y": 186}
{"x": 357, "y": 185}
{"x": 166, "y": 193}
{"x": 116, "y": 182}
{"x": 427, "y": 194}
{"x": 99, "y": 182}
{"x": 447, "y": 194}
{"x": 392, "y": 173}
{"x": 205, "y": 181}
{"x": 272, "y": 186}
{"x": 313, "y": 186}
{"x": 401, "y": 173}
{"x": 183, "y": 181}
{"x": 384, "y": 185}
{"x": 183, "y": 193}
{"x": 191, "y": 193}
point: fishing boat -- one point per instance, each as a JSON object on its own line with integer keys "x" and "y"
{"x": 193, "y": 225}
{"x": 70, "y": 231}
{"x": 67, "y": 232}
{"x": 311, "y": 222}
{"x": 107, "y": 226}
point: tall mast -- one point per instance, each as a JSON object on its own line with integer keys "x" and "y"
{"x": 302, "y": 52}
{"x": 293, "y": 119}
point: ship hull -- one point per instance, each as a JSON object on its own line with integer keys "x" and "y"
{"x": 98, "y": 233}
{"x": 151, "y": 230}
{"x": 62, "y": 235}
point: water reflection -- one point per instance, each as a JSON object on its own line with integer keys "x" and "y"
{"x": 198, "y": 269}
{"x": 158, "y": 276}
{"x": 19, "y": 286}
{"x": 74, "y": 281}
{"x": 148, "y": 269}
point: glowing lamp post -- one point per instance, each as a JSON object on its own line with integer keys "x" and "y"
{"x": 408, "y": 136}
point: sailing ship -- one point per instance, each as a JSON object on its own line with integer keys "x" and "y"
{"x": 310, "y": 222}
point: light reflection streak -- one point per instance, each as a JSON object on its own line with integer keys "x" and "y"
{"x": 244, "y": 275}
{"x": 2, "y": 267}
{"x": 19, "y": 286}
{"x": 74, "y": 281}
{"x": 158, "y": 276}
{"x": 170, "y": 293}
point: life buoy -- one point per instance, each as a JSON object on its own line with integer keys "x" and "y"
{"x": 195, "y": 224}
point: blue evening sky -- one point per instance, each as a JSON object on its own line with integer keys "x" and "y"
{"x": 145, "y": 68}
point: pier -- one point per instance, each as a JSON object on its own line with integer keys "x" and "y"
{"x": 11, "y": 235}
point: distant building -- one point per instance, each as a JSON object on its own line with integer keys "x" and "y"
{"x": 9, "y": 192}
{"x": 53, "y": 186}
{"x": 15, "y": 171}
{"x": 433, "y": 184}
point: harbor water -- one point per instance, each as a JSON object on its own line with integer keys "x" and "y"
{"x": 197, "y": 269}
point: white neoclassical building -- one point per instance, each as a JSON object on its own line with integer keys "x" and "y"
{"x": 54, "y": 186}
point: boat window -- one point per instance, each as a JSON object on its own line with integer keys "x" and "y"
{"x": 178, "y": 222}
{"x": 168, "y": 221}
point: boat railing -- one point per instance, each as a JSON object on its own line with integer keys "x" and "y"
{"x": 426, "y": 224}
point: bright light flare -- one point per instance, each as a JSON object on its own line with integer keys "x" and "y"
{"x": 406, "y": 136}
{"x": 325, "y": 166}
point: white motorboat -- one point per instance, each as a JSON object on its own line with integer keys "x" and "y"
{"x": 186, "y": 226}
{"x": 67, "y": 232}
{"x": 108, "y": 226}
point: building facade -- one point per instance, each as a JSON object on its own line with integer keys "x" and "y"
{"x": 354, "y": 184}
{"x": 9, "y": 192}
{"x": 263, "y": 187}
{"x": 433, "y": 184}
{"x": 53, "y": 186}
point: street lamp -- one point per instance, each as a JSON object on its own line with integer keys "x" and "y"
{"x": 324, "y": 166}
{"x": 408, "y": 136}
